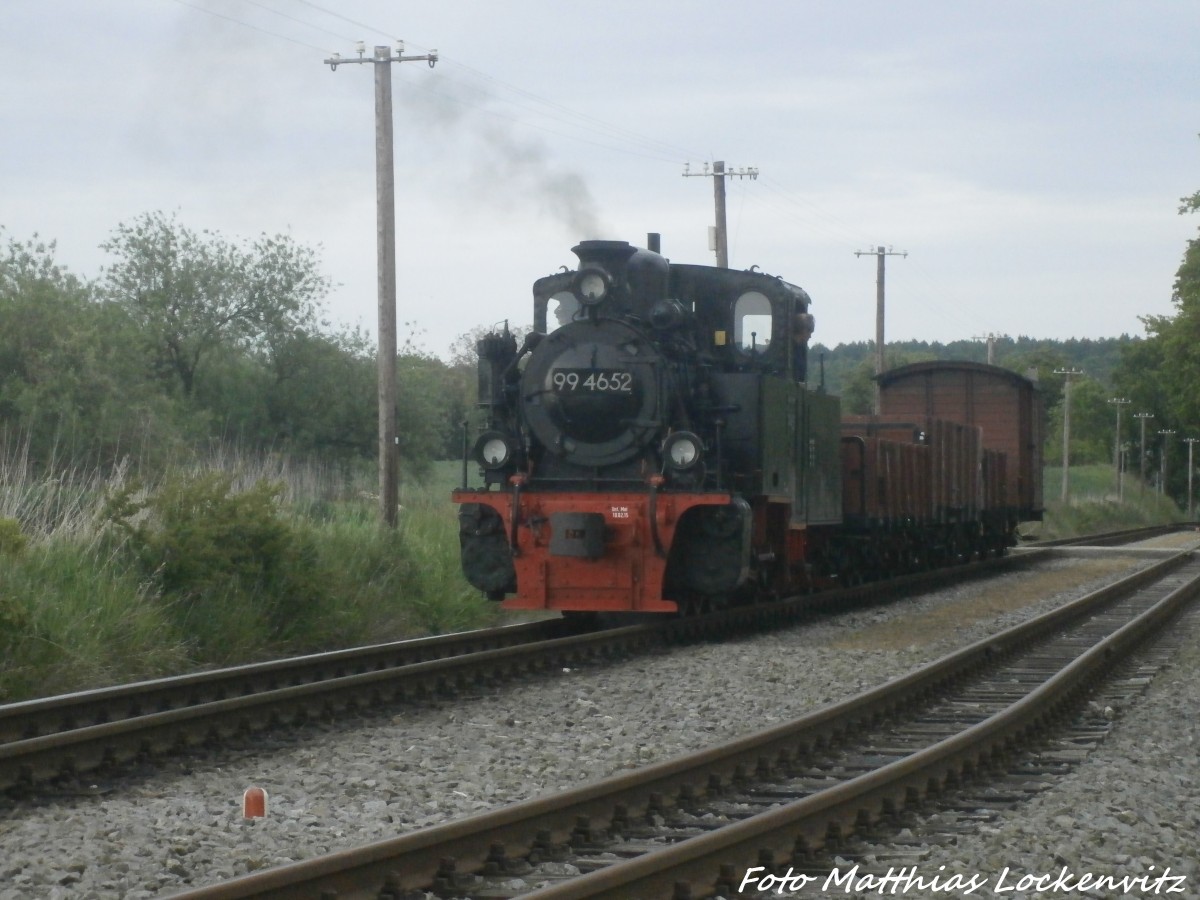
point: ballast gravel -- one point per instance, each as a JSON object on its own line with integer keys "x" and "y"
{"x": 1134, "y": 803}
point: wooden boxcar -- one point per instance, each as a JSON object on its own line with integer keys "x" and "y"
{"x": 1006, "y": 406}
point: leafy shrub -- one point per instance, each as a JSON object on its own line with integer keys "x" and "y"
{"x": 14, "y": 620}
{"x": 237, "y": 574}
{"x": 12, "y": 539}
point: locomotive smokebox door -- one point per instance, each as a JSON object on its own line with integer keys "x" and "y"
{"x": 577, "y": 534}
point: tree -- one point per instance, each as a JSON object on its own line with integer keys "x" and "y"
{"x": 191, "y": 294}
{"x": 1093, "y": 425}
{"x": 322, "y": 394}
{"x": 1160, "y": 374}
{"x": 72, "y": 382}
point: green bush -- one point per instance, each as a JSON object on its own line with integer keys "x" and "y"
{"x": 235, "y": 574}
{"x": 12, "y": 539}
{"x": 14, "y": 620}
{"x": 74, "y": 618}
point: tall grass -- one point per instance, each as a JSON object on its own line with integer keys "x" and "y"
{"x": 78, "y": 607}
{"x": 1094, "y": 504}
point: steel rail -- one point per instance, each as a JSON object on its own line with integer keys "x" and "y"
{"x": 1109, "y": 538}
{"x": 796, "y": 829}
{"x": 417, "y": 860}
{"x": 65, "y": 712}
{"x": 83, "y": 749}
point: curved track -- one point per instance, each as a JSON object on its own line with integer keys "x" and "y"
{"x": 776, "y": 796}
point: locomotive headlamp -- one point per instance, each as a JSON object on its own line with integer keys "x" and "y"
{"x": 592, "y": 286}
{"x": 682, "y": 450}
{"x": 493, "y": 450}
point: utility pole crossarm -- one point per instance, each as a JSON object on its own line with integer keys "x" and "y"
{"x": 337, "y": 60}
{"x": 991, "y": 338}
{"x": 718, "y": 174}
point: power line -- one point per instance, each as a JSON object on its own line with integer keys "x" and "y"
{"x": 611, "y": 136}
{"x": 991, "y": 337}
{"x": 297, "y": 19}
{"x": 338, "y": 15}
{"x": 847, "y": 230}
{"x": 245, "y": 24}
{"x": 482, "y": 108}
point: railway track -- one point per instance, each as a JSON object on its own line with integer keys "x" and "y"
{"x": 696, "y": 825}
{"x": 71, "y": 735}
{"x": 76, "y": 734}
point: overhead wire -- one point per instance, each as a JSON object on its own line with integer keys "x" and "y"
{"x": 338, "y": 15}
{"x": 245, "y": 24}
{"x": 934, "y": 299}
{"x": 487, "y": 104}
{"x": 290, "y": 17}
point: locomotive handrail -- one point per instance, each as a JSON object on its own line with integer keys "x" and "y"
{"x": 517, "y": 482}
{"x": 653, "y": 510}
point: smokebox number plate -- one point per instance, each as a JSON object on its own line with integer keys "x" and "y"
{"x": 603, "y": 381}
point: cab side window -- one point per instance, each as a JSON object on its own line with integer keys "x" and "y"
{"x": 752, "y": 323}
{"x": 563, "y": 308}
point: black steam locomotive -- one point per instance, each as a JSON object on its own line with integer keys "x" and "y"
{"x": 655, "y": 445}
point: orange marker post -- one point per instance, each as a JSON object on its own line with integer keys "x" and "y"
{"x": 254, "y": 803}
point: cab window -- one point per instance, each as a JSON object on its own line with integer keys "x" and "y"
{"x": 562, "y": 308}
{"x": 752, "y": 322}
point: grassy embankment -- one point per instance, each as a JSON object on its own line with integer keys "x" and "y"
{"x": 103, "y": 582}
{"x": 1092, "y": 505}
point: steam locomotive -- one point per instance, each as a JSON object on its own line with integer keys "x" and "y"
{"x": 656, "y": 445}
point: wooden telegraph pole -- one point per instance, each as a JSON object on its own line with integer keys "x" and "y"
{"x": 1191, "y": 504}
{"x": 880, "y": 254}
{"x": 718, "y": 175}
{"x": 1118, "y": 402}
{"x": 1162, "y": 467}
{"x": 1066, "y": 473}
{"x": 1142, "y": 451}
{"x": 385, "y": 245}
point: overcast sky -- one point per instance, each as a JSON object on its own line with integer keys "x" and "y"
{"x": 1028, "y": 156}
